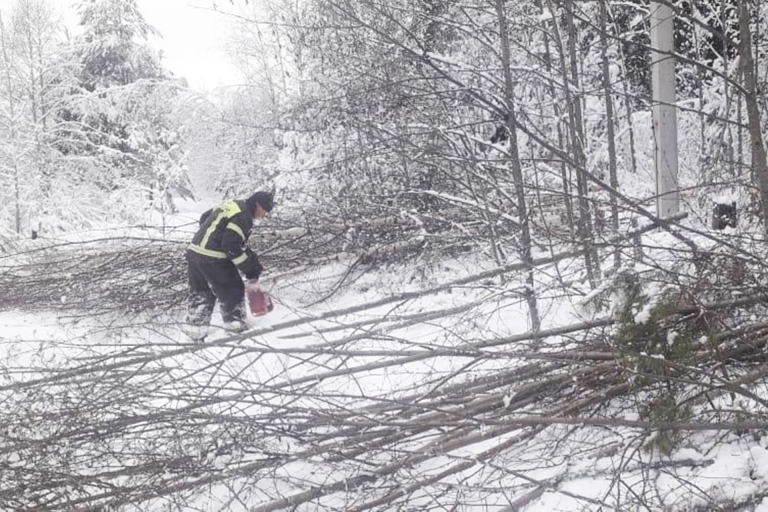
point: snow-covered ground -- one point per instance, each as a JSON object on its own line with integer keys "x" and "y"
{"x": 396, "y": 391}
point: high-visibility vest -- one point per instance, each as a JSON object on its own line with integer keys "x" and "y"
{"x": 223, "y": 233}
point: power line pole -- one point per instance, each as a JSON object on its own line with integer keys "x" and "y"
{"x": 664, "y": 110}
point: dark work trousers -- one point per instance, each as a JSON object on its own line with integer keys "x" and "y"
{"x": 211, "y": 279}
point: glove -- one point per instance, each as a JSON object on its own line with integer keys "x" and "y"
{"x": 251, "y": 268}
{"x": 253, "y": 271}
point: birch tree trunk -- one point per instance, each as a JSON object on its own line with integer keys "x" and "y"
{"x": 570, "y": 79}
{"x": 517, "y": 171}
{"x": 567, "y": 198}
{"x": 627, "y": 97}
{"x": 610, "y": 132}
{"x": 759, "y": 163}
{"x": 728, "y": 100}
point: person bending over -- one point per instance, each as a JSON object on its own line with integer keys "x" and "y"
{"x": 215, "y": 259}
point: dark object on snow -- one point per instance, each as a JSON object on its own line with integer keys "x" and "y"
{"x": 500, "y": 135}
{"x": 502, "y": 131}
{"x": 724, "y": 215}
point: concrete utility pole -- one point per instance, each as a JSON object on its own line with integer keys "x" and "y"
{"x": 664, "y": 110}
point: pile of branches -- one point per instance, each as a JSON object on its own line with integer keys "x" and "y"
{"x": 116, "y": 275}
{"x": 99, "y": 434}
{"x": 376, "y": 234}
{"x": 123, "y": 274}
{"x": 294, "y": 422}
{"x": 481, "y": 419}
{"x": 132, "y": 275}
{"x": 129, "y": 274}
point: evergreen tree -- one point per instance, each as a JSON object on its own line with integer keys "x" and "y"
{"x": 113, "y": 48}
{"x": 123, "y": 108}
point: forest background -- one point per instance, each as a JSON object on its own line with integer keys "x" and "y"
{"x": 486, "y": 313}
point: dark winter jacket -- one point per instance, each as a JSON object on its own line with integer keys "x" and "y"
{"x": 223, "y": 233}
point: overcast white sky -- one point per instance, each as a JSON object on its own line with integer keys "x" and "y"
{"x": 193, "y": 37}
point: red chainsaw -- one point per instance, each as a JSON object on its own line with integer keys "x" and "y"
{"x": 258, "y": 301}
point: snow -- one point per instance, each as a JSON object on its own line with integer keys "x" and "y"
{"x": 644, "y": 314}
{"x": 298, "y": 346}
{"x": 400, "y": 372}
{"x": 672, "y": 336}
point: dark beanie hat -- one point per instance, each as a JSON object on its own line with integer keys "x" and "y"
{"x": 262, "y": 198}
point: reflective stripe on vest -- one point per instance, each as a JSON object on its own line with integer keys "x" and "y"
{"x": 226, "y": 211}
{"x": 234, "y": 227}
{"x": 217, "y": 254}
{"x": 206, "y": 252}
